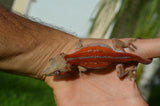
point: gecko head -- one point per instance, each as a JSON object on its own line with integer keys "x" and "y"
{"x": 56, "y": 66}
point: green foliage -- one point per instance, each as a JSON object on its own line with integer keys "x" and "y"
{"x": 138, "y": 18}
{"x": 6, "y": 3}
{"x": 96, "y": 17}
{"x": 106, "y": 13}
{"x": 148, "y": 24}
{"x": 139, "y": 72}
{"x": 23, "y": 91}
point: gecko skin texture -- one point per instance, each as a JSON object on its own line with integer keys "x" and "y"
{"x": 98, "y": 56}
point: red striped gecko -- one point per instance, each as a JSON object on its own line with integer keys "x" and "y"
{"x": 96, "y": 56}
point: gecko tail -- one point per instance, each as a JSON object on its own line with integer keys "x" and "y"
{"x": 145, "y": 61}
{"x": 140, "y": 59}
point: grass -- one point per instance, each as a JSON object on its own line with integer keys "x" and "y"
{"x": 23, "y": 91}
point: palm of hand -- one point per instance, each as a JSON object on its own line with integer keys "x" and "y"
{"x": 106, "y": 89}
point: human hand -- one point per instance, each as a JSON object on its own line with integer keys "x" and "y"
{"x": 100, "y": 87}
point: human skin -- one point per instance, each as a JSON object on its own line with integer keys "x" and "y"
{"x": 27, "y": 46}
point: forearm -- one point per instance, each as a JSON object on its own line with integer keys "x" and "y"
{"x": 26, "y": 45}
{"x": 17, "y": 35}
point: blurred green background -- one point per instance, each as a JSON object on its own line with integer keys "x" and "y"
{"x": 135, "y": 18}
{"x": 23, "y": 91}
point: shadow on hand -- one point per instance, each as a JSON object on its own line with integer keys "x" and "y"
{"x": 74, "y": 74}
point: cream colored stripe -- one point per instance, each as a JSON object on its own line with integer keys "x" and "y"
{"x": 20, "y": 6}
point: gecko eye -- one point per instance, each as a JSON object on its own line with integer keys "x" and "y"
{"x": 57, "y": 73}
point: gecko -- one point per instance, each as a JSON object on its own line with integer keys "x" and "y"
{"x": 97, "y": 56}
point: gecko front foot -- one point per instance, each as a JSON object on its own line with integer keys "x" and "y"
{"x": 119, "y": 45}
{"x": 121, "y": 72}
